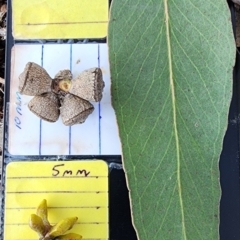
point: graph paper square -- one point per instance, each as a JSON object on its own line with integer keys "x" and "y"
{"x": 28, "y": 135}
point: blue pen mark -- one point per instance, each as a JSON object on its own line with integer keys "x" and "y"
{"x": 40, "y": 123}
{"x": 99, "y": 111}
{"x": 17, "y": 118}
{"x": 70, "y": 129}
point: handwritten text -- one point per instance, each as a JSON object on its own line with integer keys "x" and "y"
{"x": 17, "y": 118}
{"x": 61, "y": 171}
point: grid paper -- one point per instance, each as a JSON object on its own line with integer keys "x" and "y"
{"x": 28, "y": 135}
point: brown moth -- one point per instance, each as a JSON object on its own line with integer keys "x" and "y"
{"x": 62, "y": 95}
{"x": 34, "y": 80}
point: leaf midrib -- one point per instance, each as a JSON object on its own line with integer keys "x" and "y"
{"x": 169, "y": 51}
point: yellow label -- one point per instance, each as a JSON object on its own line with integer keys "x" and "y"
{"x": 59, "y": 19}
{"x": 71, "y": 188}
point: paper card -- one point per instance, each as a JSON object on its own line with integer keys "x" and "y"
{"x": 71, "y": 188}
{"x": 51, "y": 19}
{"x": 28, "y": 135}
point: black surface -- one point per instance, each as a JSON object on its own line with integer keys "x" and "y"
{"x": 120, "y": 217}
{"x": 229, "y": 163}
{"x": 229, "y": 169}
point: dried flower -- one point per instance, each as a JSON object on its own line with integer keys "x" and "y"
{"x": 88, "y": 85}
{"x": 62, "y": 95}
{"x": 46, "y": 106}
{"x": 34, "y": 80}
{"x": 77, "y": 113}
{"x": 40, "y": 224}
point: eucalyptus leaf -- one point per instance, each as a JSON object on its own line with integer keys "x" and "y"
{"x": 171, "y": 68}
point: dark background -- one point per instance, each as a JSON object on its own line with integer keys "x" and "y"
{"x": 229, "y": 162}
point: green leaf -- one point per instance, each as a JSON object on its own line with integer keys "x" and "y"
{"x": 171, "y": 68}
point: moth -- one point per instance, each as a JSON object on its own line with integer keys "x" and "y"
{"x": 61, "y": 96}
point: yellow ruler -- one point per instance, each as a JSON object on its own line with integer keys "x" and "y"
{"x": 59, "y": 19}
{"x": 71, "y": 188}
